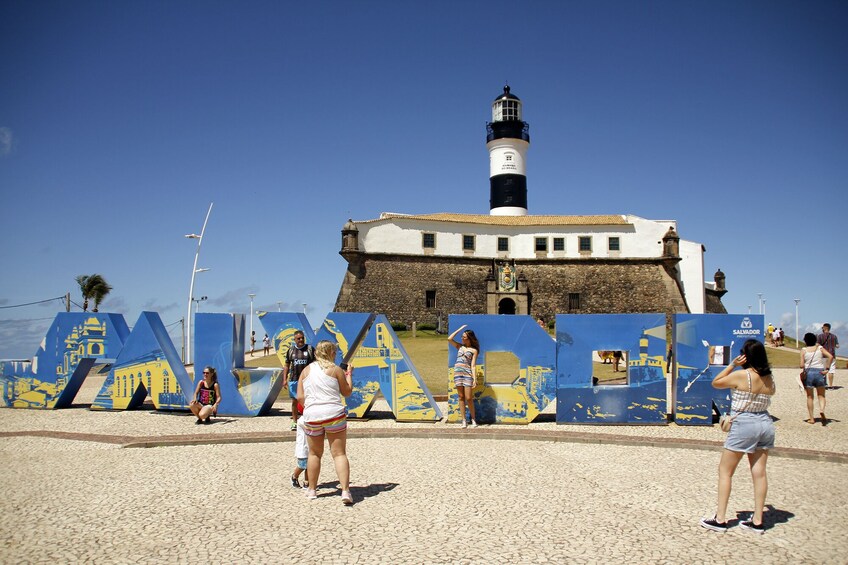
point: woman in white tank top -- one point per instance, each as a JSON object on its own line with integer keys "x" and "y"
{"x": 320, "y": 389}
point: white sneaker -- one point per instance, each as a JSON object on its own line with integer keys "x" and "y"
{"x": 473, "y": 424}
{"x": 463, "y": 425}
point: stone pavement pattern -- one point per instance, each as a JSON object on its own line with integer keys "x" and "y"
{"x": 418, "y": 500}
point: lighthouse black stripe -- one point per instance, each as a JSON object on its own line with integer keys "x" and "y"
{"x": 508, "y": 190}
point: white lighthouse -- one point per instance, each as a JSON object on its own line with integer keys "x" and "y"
{"x": 507, "y": 139}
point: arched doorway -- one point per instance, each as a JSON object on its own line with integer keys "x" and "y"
{"x": 506, "y": 306}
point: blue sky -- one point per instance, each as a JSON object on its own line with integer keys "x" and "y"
{"x": 121, "y": 121}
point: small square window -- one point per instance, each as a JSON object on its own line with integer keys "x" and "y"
{"x": 503, "y": 244}
{"x": 559, "y": 244}
{"x": 541, "y": 244}
{"x": 468, "y": 242}
{"x": 430, "y": 298}
{"x": 614, "y": 244}
{"x": 574, "y": 301}
{"x": 428, "y": 240}
{"x": 585, "y": 243}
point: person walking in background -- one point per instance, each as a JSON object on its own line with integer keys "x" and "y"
{"x": 616, "y": 360}
{"x": 266, "y": 345}
{"x": 298, "y": 357}
{"x": 752, "y": 432}
{"x": 830, "y": 342}
{"x": 320, "y": 389}
{"x": 813, "y": 361}
{"x": 465, "y": 372}
{"x": 207, "y": 396}
{"x": 252, "y": 342}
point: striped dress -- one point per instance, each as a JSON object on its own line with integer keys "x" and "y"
{"x": 462, "y": 375}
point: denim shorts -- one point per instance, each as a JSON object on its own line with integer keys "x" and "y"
{"x": 751, "y": 431}
{"x": 815, "y": 378}
{"x": 292, "y": 389}
{"x": 301, "y": 463}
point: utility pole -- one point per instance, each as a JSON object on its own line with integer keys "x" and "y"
{"x": 67, "y": 302}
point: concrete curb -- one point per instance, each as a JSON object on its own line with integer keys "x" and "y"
{"x": 424, "y": 433}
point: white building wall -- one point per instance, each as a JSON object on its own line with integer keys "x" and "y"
{"x": 691, "y": 268}
{"x": 639, "y": 238}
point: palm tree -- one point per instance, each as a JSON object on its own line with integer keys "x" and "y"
{"x": 94, "y": 287}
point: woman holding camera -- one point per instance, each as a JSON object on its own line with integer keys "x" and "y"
{"x": 752, "y": 432}
{"x": 320, "y": 389}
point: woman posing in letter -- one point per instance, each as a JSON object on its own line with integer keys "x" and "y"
{"x": 207, "y": 396}
{"x": 465, "y": 371}
{"x": 752, "y": 432}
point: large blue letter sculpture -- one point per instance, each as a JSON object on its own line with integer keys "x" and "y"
{"x": 73, "y": 343}
{"x": 533, "y": 388}
{"x": 704, "y": 345}
{"x": 642, "y": 400}
{"x": 148, "y": 364}
{"x": 219, "y": 343}
{"x": 380, "y": 362}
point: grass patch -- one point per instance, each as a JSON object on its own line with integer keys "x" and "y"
{"x": 429, "y": 353}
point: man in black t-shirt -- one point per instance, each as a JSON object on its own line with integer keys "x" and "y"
{"x": 298, "y": 357}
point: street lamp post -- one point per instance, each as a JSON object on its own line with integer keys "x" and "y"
{"x": 797, "y": 341}
{"x": 760, "y": 301}
{"x": 197, "y": 302}
{"x": 764, "y": 311}
{"x": 252, "y": 295}
{"x": 194, "y": 271}
{"x": 304, "y": 308}
{"x": 279, "y": 306}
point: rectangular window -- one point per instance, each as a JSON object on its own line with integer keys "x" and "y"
{"x": 503, "y": 244}
{"x": 541, "y": 244}
{"x": 585, "y": 243}
{"x": 468, "y": 242}
{"x": 559, "y": 244}
{"x": 614, "y": 244}
{"x": 574, "y": 301}
{"x": 430, "y": 298}
{"x": 428, "y": 240}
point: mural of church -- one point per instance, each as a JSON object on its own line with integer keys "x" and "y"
{"x": 421, "y": 268}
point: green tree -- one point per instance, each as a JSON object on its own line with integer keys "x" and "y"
{"x": 93, "y": 287}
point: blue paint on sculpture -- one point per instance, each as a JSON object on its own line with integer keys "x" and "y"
{"x": 219, "y": 342}
{"x": 147, "y": 364}
{"x": 280, "y": 327}
{"x": 381, "y": 363}
{"x": 74, "y": 342}
{"x": 642, "y": 399}
{"x": 704, "y": 345}
{"x": 532, "y": 389}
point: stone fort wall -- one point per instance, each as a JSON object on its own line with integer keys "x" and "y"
{"x": 397, "y": 285}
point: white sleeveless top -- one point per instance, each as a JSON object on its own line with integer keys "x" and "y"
{"x": 323, "y": 399}
{"x": 814, "y": 360}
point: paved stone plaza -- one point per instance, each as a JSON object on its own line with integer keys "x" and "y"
{"x": 76, "y": 487}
